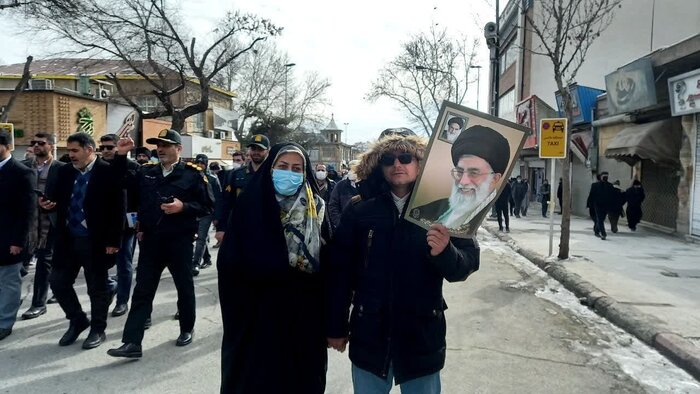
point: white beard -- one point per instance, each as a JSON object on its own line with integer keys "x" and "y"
{"x": 452, "y": 136}
{"x": 463, "y": 206}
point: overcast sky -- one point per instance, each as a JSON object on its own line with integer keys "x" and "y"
{"x": 347, "y": 42}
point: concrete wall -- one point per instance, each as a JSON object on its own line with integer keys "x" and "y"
{"x": 628, "y": 38}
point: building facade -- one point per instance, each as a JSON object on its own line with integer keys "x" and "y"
{"x": 70, "y": 95}
{"x": 639, "y": 29}
{"x": 332, "y": 151}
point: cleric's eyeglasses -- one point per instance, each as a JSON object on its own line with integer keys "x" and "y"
{"x": 106, "y": 147}
{"x": 389, "y": 159}
{"x": 40, "y": 143}
{"x": 472, "y": 173}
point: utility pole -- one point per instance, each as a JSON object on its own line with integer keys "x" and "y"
{"x": 286, "y": 71}
{"x": 478, "y": 83}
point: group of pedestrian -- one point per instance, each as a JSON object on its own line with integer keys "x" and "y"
{"x": 308, "y": 260}
{"x": 607, "y": 199}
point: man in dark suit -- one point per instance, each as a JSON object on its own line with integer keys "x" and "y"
{"x": 42, "y": 230}
{"x": 601, "y": 198}
{"x": 89, "y": 204}
{"x": 17, "y": 210}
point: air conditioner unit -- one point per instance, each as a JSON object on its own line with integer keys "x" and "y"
{"x": 40, "y": 84}
{"x": 102, "y": 93}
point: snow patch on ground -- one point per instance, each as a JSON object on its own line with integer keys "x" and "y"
{"x": 635, "y": 358}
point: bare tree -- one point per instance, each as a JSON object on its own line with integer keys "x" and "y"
{"x": 150, "y": 37}
{"x": 265, "y": 86}
{"x": 432, "y": 67}
{"x": 566, "y": 30}
{"x": 26, "y": 75}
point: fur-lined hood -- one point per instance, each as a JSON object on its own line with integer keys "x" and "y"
{"x": 369, "y": 160}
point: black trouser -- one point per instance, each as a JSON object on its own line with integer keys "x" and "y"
{"x": 156, "y": 253}
{"x": 41, "y": 276}
{"x": 502, "y": 212}
{"x": 599, "y": 219}
{"x": 80, "y": 254}
{"x": 545, "y": 205}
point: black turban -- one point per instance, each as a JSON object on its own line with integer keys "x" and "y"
{"x": 483, "y": 142}
{"x": 457, "y": 120}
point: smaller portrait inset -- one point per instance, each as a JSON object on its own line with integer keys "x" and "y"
{"x": 453, "y": 128}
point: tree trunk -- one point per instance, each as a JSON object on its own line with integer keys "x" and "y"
{"x": 178, "y": 121}
{"x": 566, "y": 179}
{"x": 26, "y": 75}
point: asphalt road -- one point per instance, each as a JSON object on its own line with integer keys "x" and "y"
{"x": 511, "y": 329}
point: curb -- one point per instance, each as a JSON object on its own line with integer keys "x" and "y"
{"x": 677, "y": 349}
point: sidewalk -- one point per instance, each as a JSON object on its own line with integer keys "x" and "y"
{"x": 646, "y": 282}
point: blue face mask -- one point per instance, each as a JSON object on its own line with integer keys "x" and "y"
{"x": 286, "y": 182}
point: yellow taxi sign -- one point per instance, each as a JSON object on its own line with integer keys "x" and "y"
{"x": 553, "y": 138}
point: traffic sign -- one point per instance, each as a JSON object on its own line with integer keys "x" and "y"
{"x": 553, "y": 138}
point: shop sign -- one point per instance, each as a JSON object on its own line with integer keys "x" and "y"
{"x": 631, "y": 87}
{"x": 684, "y": 93}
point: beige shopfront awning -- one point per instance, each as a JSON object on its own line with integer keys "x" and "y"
{"x": 658, "y": 141}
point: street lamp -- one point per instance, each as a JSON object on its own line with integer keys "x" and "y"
{"x": 424, "y": 68}
{"x": 286, "y": 71}
{"x": 346, "y": 131}
{"x": 478, "y": 83}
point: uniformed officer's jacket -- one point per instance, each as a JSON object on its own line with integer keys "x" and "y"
{"x": 236, "y": 181}
{"x": 188, "y": 184}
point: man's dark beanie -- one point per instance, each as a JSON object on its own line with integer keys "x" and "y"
{"x": 484, "y": 142}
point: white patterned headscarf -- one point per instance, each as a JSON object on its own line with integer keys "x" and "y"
{"x": 301, "y": 215}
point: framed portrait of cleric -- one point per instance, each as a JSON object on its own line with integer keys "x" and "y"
{"x": 454, "y": 124}
{"x": 460, "y": 179}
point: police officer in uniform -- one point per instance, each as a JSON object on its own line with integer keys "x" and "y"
{"x": 237, "y": 180}
{"x": 172, "y": 195}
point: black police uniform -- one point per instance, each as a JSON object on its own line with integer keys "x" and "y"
{"x": 167, "y": 241}
{"x": 236, "y": 181}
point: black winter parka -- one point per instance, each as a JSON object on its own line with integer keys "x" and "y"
{"x": 382, "y": 266}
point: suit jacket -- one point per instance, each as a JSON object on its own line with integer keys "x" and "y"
{"x": 51, "y": 180}
{"x": 104, "y": 209}
{"x": 17, "y": 208}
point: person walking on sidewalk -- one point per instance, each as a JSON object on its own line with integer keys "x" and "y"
{"x": 271, "y": 289}
{"x": 560, "y": 191}
{"x": 545, "y": 194}
{"x": 392, "y": 272}
{"x": 125, "y": 267}
{"x": 17, "y": 210}
{"x": 601, "y": 198}
{"x": 46, "y": 168}
{"x": 502, "y": 207}
{"x": 616, "y": 210}
{"x": 519, "y": 195}
{"x": 201, "y": 256}
{"x": 171, "y": 196}
{"x": 634, "y": 197}
{"x": 90, "y": 210}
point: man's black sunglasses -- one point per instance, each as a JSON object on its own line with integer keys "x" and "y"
{"x": 388, "y": 159}
{"x": 107, "y": 147}
{"x": 40, "y": 143}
